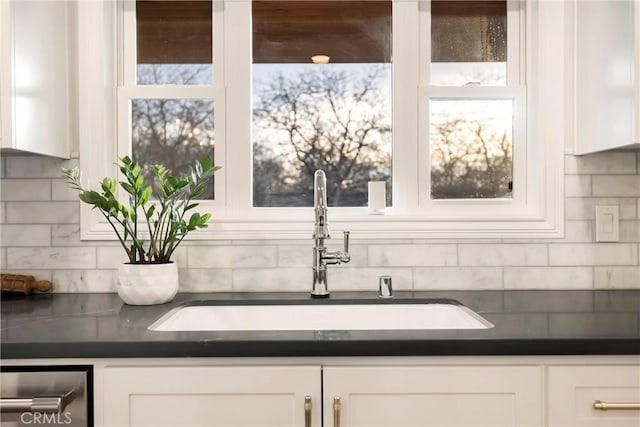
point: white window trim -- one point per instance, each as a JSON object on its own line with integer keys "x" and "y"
{"x": 540, "y": 213}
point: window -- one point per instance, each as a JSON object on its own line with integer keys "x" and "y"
{"x": 471, "y": 139}
{"x": 468, "y": 41}
{"x": 321, "y": 100}
{"x": 473, "y": 107}
{"x": 451, "y": 103}
{"x": 167, "y": 102}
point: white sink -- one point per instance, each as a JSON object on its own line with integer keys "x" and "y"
{"x": 304, "y": 317}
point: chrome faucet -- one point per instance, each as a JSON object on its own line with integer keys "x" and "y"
{"x": 321, "y": 256}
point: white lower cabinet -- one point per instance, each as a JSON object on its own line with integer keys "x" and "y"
{"x": 573, "y": 390}
{"x": 194, "y": 396}
{"x": 469, "y": 391}
{"x": 277, "y": 396}
{"x": 442, "y": 396}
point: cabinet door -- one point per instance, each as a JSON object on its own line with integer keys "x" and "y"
{"x": 434, "y": 396}
{"x": 35, "y": 80}
{"x": 605, "y": 92}
{"x": 572, "y": 391}
{"x": 6, "y": 76}
{"x": 637, "y": 67}
{"x": 210, "y": 396}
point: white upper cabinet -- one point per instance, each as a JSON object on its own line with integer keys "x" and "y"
{"x": 35, "y": 90}
{"x": 607, "y": 92}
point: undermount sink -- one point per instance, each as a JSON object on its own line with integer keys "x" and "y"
{"x": 443, "y": 314}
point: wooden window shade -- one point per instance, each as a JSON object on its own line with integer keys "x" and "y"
{"x": 347, "y": 31}
{"x": 174, "y": 32}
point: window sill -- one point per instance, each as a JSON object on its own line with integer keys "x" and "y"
{"x": 363, "y": 226}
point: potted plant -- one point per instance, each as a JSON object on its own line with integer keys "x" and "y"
{"x": 151, "y": 225}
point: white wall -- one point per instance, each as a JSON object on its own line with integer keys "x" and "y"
{"x": 39, "y": 219}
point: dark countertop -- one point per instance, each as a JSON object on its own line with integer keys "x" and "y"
{"x": 537, "y": 322}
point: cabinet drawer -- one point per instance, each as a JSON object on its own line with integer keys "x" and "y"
{"x": 572, "y": 391}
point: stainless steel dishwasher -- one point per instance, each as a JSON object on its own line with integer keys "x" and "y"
{"x": 46, "y": 396}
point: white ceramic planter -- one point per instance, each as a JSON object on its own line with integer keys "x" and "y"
{"x": 147, "y": 284}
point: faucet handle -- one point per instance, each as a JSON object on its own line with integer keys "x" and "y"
{"x": 346, "y": 242}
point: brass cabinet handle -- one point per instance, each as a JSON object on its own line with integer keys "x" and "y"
{"x": 307, "y": 411}
{"x": 336, "y": 411}
{"x": 604, "y": 406}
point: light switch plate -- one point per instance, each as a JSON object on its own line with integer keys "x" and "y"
{"x": 608, "y": 223}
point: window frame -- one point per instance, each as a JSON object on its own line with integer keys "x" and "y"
{"x": 537, "y": 213}
{"x": 514, "y": 90}
{"x": 129, "y": 91}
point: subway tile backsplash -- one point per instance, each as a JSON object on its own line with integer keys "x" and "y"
{"x": 503, "y": 254}
{"x": 593, "y": 254}
{"x": 616, "y": 185}
{"x": 577, "y": 208}
{"x": 40, "y": 236}
{"x": 51, "y": 258}
{"x": 51, "y": 212}
{"x": 609, "y": 163}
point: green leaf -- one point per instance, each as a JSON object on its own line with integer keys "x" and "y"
{"x": 179, "y": 184}
{"x": 207, "y": 163}
{"x": 145, "y": 194}
{"x": 109, "y": 185}
{"x": 172, "y": 181}
{"x": 198, "y": 191}
{"x": 128, "y": 188}
{"x": 139, "y": 182}
{"x": 150, "y": 212}
{"x": 193, "y": 221}
{"x": 135, "y": 169}
{"x": 92, "y": 197}
{"x": 160, "y": 171}
{"x": 198, "y": 221}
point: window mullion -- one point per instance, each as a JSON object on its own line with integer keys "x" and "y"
{"x": 238, "y": 110}
{"x": 218, "y": 43}
{"x": 220, "y": 153}
{"x": 423, "y": 175}
{"x": 424, "y": 43}
{"x": 129, "y": 61}
{"x": 514, "y": 43}
{"x": 406, "y": 76}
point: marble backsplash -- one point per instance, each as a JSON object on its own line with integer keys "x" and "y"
{"x": 39, "y": 222}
